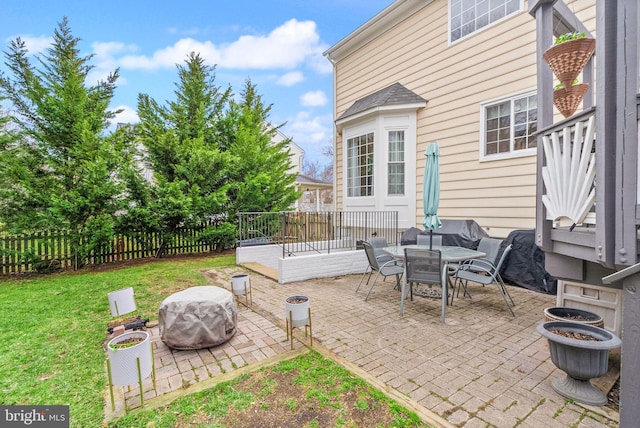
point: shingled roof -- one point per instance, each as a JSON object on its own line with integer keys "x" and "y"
{"x": 391, "y": 95}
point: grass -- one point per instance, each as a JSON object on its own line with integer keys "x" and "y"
{"x": 53, "y": 330}
{"x": 307, "y": 391}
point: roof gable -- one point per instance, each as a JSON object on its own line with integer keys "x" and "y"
{"x": 395, "y": 94}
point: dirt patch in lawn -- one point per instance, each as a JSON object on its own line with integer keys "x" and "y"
{"x": 308, "y": 391}
{"x": 287, "y": 404}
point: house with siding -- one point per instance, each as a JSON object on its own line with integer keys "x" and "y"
{"x": 470, "y": 75}
{"x": 460, "y": 73}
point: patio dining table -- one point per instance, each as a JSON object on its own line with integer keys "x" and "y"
{"x": 448, "y": 254}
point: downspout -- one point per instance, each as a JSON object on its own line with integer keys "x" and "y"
{"x": 335, "y": 136}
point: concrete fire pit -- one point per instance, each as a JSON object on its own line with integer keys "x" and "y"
{"x": 198, "y": 317}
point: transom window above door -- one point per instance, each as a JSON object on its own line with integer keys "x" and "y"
{"x": 468, "y": 16}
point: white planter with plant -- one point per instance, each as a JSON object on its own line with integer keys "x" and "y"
{"x": 124, "y": 352}
{"x": 297, "y": 310}
{"x": 241, "y": 284}
{"x": 298, "y": 314}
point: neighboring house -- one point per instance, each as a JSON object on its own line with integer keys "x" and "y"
{"x": 317, "y": 194}
{"x": 459, "y": 73}
{"x": 297, "y": 153}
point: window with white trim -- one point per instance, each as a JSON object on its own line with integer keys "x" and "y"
{"x": 360, "y": 165}
{"x": 395, "y": 166}
{"x": 509, "y": 125}
{"x": 468, "y": 16}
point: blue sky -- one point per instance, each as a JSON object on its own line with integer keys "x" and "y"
{"x": 277, "y": 44}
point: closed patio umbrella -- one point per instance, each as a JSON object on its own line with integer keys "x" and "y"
{"x": 431, "y": 190}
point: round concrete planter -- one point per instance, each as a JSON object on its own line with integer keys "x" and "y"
{"x": 560, "y": 313}
{"x": 581, "y": 360}
{"x": 297, "y": 310}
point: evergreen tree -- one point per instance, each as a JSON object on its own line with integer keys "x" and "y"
{"x": 262, "y": 178}
{"x": 182, "y": 144}
{"x": 59, "y": 171}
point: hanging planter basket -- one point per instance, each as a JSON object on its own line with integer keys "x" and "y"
{"x": 567, "y": 59}
{"x": 568, "y": 99}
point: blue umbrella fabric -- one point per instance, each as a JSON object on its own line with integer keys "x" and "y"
{"x": 431, "y": 190}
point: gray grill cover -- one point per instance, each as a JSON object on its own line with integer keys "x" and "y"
{"x": 198, "y": 317}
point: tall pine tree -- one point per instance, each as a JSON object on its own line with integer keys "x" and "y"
{"x": 261, "y": 177}
{"x": 59, "y": 171}
{"x": 182, "y": 146}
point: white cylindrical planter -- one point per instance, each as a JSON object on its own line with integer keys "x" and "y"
{"x": 298, "y": 314}
{"x": 241, "y": 284}
{"x": 297, "y": 310}
{"x": 121, "y": 302}
{"x": 123, "y": 361}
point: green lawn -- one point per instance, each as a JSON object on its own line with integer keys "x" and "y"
{"x": 53, "y": 328}
{"x": 53, "y": 331}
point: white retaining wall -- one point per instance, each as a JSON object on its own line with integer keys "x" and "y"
{"x": 267, "y": 255}
{"x": 303, "y": 267}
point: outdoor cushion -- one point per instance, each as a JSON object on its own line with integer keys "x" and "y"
{"x": 198, "y": 317}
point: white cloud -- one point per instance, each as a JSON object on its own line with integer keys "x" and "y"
{"x": 127, "y": 115}
{"x": 320, "y": 63}
{"x": 35, "y": 45}
{"x": 312, "y": 133}
{"x": 172, "y": 55}
{"x": 101, "y": 75}
{"x": 287, "y": 46}
{"x": 290, "y": 79}
{"x": 313, "y": 99}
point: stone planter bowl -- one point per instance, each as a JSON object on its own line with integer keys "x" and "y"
{"x": 560, "y": 313}
{"x": 581, "y": 360}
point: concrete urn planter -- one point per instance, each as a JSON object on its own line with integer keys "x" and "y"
{"x": 559, "y": 313}
{"x": 579, "y": 358}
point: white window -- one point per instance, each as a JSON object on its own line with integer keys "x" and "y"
{"x": 379, "y": 167}
{"x": 395, "y": 166}
{"x": 509, "y": 125}
{"x": 468, "y": 16}
{"x": 360, "y": 165}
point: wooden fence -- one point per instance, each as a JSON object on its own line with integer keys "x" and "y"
{"x": 45, "y": 251}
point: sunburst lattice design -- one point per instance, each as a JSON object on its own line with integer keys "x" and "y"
{"x": 570, "y": 172}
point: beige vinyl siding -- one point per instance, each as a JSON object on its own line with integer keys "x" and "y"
{"x": 456, "y": 79}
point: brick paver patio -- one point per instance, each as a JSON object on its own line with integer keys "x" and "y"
{"x": 482, "y": 368}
